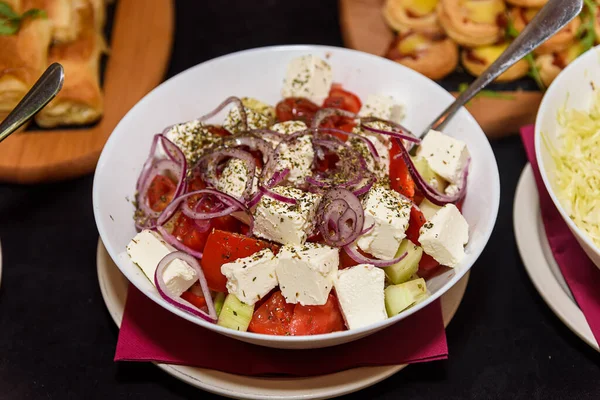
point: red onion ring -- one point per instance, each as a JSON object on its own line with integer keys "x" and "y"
{"x": 232, "y": 204}
{"x": 398, "y": 130}
{"x": 429, "y": 191}
{"x": 364, "y": 189}
{"x": 225, "y": 103}
{"x": 175, "y": 163}
{"x": 340, "y": 217}
{"x": 173, "y": 241}
{"x": 328, "y": 112}
{"x": 276, "y": 196}
{"x": 367, "y": 142}
{"x": 157, "y": 168}
{"x": 253, "y": 143}
{"x": 359, "y": 258}
{"x": 276, "y": 179}
{"x": 210, "y": 162}
{"x": 178, "y": 302}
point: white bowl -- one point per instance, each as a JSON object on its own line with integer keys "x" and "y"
{"x": 573, "y": 88}
{"x": 259, "y": 73}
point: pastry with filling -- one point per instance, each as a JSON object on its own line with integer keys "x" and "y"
{"x": 550, "y": 65}
{"x": 80, "y": 100}
{"x": 412, "y": 15}
{"x": 23, "y": 58}
{"x": 477, "y": 60}
{"x": 527, "y": 3}
{"x": 473, "y": 22}
{"x": 435, "y": 56}
{"x": 61, "y": 14}
{"x": 563, "y": 39}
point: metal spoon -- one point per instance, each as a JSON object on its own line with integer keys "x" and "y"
{"x": 549, "y": 20}
{"x": 40, "y": 94}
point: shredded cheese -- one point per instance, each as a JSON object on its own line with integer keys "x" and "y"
{"x": 577, "y": 160}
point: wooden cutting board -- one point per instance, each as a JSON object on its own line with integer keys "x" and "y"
{"x": 139, "y": 54}
{"x": 364, "y": 29}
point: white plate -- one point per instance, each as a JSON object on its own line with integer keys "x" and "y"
{"x": 539, "y": 261}
{"x": 113, "y": 286}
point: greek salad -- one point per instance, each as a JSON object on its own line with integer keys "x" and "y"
{"x": 320, "y": 214}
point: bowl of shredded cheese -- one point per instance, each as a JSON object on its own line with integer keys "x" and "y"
{"x": 567, "y": 144}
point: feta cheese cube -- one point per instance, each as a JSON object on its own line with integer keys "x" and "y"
{"x": 146, "y": 250}
{"x": 298, "y": 157}
{"x": 258, "y": 116}
{"x": 360, "y": 293}
{"x": 233, "y": 178}
{"x": 251, "y": 278}
{"x": 259, "y": 106}
{"x": 289, "y": 127}
{"x": 193, "y": 138}
{"x": 283, "y": 222}
{"x": 446, "y": 156}
{"x": 452, "y": 189}
{"x": 388, "y": 212}
{"x": 381, "y": 143}
{"x": 444, "y": 236}
{"x": 382, "y": 106}
{"x": 309, "y": 77}
{"x": 286, "y": 128}
{"x": 306, "y": 273}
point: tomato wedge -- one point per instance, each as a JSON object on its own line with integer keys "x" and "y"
{"x": 273, "y": 317}
{"x": 346, "y": 261}
{"x": 315, "y": 320}
{"x": 160, "y": 192}
{"x": 194, "y": 296}
{"x": 190, "y": 234}
{"x": 416, "y": 221}
{"x": 400, "y": 179}
{"x": 343, "y": 99}
{"x": 223, "y": 247}
{"x": 296, "y": 108}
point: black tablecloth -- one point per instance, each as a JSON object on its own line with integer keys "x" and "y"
{"x": 56, "y": 337}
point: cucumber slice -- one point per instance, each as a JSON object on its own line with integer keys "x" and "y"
{"x": 428, "y": 209}
{"x": 408, "y": 266}
{"x": 399, "y": 297}
{"x": 235, "y": 314}
{"x": 218, "y": 301}
{"x": 427, "y": 173}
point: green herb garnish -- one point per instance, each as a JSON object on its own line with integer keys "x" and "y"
{"x": 10, "y": 21}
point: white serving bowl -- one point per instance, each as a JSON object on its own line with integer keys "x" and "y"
{"x": 573, "y": 88}
{"x": 259, "y": 73}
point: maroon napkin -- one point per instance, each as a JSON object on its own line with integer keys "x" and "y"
{"x": 151, "y": 333}
{"x": 580, "y": 273}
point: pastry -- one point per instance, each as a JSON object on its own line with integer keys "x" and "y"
{"x": 433, "y": 56}
{"x": 412, "y": 15}
{"x": 80, "y": 100}
{"x": 520, "y": 17}
{"x": 61, "y": 14}
{"x": 23, "y": 59}
{"x": 473, "y": 22}
{"x": 550, "y": 65}
{"x": 477, "y": 60}
{"x": 527, "y": 3}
